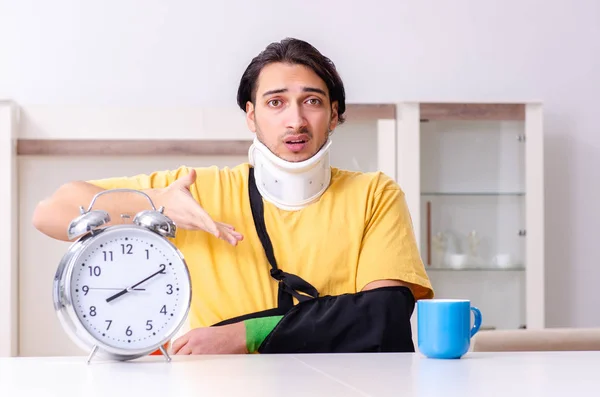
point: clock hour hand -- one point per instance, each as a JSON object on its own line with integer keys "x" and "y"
{"x": 126, "y": 290}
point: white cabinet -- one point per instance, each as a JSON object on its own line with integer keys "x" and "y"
{"x": 473, "y": 178}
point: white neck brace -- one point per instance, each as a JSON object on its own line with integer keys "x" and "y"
{"x": 290, "y": 186}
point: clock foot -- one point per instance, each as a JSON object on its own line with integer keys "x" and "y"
{"x": 164, "y": 352}
{"x": 92, "y": 353}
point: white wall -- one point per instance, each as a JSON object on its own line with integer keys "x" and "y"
{"x": 178, "y": 53}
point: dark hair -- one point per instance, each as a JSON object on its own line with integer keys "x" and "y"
{"x": 293, "y": 51}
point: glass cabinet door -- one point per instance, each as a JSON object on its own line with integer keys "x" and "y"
{"x": 472, "y": 214}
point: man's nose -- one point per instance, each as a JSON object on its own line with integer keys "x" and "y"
{"x": 295, "y": 118}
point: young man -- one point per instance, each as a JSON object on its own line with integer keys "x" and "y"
{"x": 286, "y": 253}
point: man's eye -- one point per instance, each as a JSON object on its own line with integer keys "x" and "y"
{"x": 314, "y": 101}
{"x": 274, "y": 102}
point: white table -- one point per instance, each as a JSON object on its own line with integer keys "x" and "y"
{"x": 477, "y": 374}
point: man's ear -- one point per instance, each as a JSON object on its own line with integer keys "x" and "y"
{"x": 250, "y": 121}
{"x": 334, "y": 116}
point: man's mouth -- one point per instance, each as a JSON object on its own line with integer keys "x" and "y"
{"x": 296, "y": 143}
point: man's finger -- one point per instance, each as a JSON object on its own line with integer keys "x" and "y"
{"x": 185, "y": 350}
{"x": 237, "y": 235}
{"x": 179, "y": 343}
{"x": 231, "y": 238}
{"x": 230, "y": 230}
{"x": 186, "y": 180}
{"x": 226, "y": 225}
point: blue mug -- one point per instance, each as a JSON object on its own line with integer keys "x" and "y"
{"x": 444, "y": 327}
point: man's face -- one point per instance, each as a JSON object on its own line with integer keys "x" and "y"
{"x": 293, "y": 114}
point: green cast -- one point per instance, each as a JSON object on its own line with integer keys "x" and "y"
{"x": 257, "y": 329}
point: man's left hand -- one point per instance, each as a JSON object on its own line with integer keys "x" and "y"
{"x": 225, "y": 339}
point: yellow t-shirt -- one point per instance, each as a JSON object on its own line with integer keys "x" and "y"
{"x": 359, "y": 231}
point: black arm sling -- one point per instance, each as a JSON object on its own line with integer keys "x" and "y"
{"x": 369, "y": 321}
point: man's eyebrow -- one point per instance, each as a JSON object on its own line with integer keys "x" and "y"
{"x": 305, "y": 89}
{"x": 312, "y": 89}
{"x": 278, "y": 91}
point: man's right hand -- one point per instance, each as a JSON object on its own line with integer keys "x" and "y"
{"x": 187, "y": 213}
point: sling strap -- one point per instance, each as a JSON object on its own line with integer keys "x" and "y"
{"x": 290, "y": 285}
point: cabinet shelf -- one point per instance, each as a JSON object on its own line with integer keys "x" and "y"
{"x": 472, "y": 194}
{"x": 519, "y": 268}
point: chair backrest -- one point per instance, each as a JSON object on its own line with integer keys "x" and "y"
{"x": 549, "y": 339}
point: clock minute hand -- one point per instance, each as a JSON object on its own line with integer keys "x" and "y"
{"x": 126, "y": 290}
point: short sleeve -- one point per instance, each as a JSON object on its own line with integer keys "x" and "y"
{"x": 154, "y": 180}
{"x": 389, "y": 248}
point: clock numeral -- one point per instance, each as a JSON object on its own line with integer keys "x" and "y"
{"x": 92, "y": 311}
{"x": 128, "y": 331}
{"x": 147, "y": 254}
{"x": 85, "y": 289}
{"x": 162, "y": 268}
{"x": 108, "y": 256}
{"x": 95, "y": 271}
{"x": 109, "y": 323}
{"x": 148, "y": 325}
{"x": 169, "y": 289}
{"x": 163, "y": 310}
{"x": 126, "y": 249}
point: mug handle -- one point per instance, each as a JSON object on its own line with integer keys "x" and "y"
{"x": 477, "y": 323}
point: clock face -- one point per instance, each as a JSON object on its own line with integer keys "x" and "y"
{"x": 130, "y": 288}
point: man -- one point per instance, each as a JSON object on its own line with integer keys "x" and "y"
{"x": 286, "y": 253}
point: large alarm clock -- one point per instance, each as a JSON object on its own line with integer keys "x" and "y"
{"x": 122, "y": 290}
